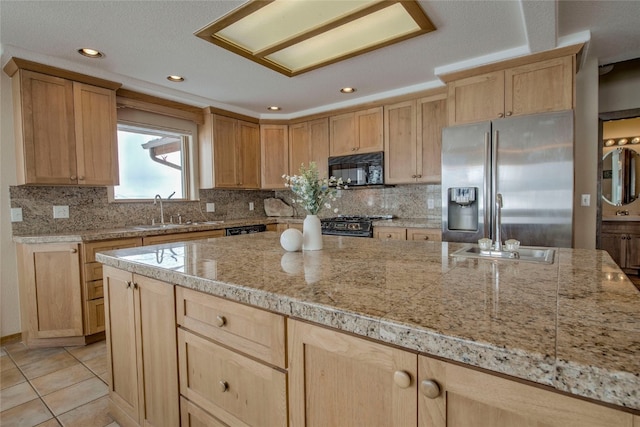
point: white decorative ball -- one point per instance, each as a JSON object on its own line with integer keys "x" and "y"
{"x": 291, "y": 240}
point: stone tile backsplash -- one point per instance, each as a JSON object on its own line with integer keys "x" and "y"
{"x": 90, "y": 209}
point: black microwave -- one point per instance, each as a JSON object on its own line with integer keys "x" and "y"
{"x": 360, "y": 169}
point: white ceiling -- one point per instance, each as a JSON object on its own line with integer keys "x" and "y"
{"x": 144, "y": 41}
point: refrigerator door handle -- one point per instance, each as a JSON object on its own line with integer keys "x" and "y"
{"x": 494, "y": 179}
{"x": 487, "y": 184}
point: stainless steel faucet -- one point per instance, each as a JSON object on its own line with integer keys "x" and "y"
{"x": 497, "y": 234}
{"x": 155, "y": 202}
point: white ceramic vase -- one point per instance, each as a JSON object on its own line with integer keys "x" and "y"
{"x": 311, "y": 233}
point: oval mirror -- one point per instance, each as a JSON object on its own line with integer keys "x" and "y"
{"x": 620, "y": 179}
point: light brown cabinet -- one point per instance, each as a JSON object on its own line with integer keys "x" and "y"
{"x": 214, "y": 339}
{"x": 141, "y": 349}
{"x": 229, "y": 153}
{"x": 274, "y": 149}
{"x": 527, "y": 89}
{"x": 413, "y": 140}
{"x": 66, "y": 131}
{"x": 309, "y": 142}
{"x": 451, "y": 395}
{"x": 181, "y": 237}
{"x": 401, "y": 233}
{"x": 622, "y": 241}
{"x": 356, "y": 132}
{"x": 93, "y": 298}
{"x": 50, "y": 294}
{"x": 338, "y": 379}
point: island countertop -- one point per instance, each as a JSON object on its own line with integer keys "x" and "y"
{"x": 573, "y": 325}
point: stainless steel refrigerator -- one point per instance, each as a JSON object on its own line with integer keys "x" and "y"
{"x": 528, "y": 160}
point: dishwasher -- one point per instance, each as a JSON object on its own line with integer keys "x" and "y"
{"x": 245, "y": 229}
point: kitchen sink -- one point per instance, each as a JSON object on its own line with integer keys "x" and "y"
{"x": 526, "y": 254}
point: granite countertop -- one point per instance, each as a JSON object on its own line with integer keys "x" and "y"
{"x": 573, "y": 325}
{"x": 146, "y": 230}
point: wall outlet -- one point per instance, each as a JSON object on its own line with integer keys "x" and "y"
{"x": 16, "y": 214}
{"x": 251, "y": 206}
{"x": 430, "y": 204}
{"x": 211, "y": 207}
{"x": 585, "y": 200}
{"x": 61, "y": 211}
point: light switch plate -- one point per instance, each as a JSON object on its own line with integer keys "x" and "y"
{"x": 430, "y": 204}
{"x": 61, "y": 211}
{"x": 16, "y": 214}
{"x": 251, "y": 206}
{"x": 585, "y": 200}
{"x": 211, "y": 207}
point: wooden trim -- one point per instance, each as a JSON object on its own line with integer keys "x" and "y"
{"x": 230, "y": 114}
{"x": 140, "y": 101}
{"x": 510, "y": 63}
{"x": 16, "y": 64}
{"x": 10, "y": 339}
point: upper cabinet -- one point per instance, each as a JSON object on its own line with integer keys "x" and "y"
{"x": 413, "y": 140}
{"x": 229, "y": 153}
{"x": 274, "y": 148}
{"x": 356, "y": 132}
{"x": 66, "y": 130}
{"x": 531, "y": 88}
{"x": 309, "y": 142}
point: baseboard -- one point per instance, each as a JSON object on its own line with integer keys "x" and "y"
{"x": 10, "y": 339}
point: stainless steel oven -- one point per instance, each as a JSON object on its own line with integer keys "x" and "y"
{"x": 355, "y": 226}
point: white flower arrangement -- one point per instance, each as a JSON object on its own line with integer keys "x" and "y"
{"x": 311, "y": 192}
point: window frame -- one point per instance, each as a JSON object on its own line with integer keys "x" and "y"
{"x": 153, "y": 123}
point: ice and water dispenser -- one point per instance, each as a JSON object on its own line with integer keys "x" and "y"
{"x": 463, "y": 209}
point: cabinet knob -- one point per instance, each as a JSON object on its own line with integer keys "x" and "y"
{"x": 135, "y": 285}
{"x": 430, "y": 388}
{"x": 81, "y": 178}
{"x": 221, "y": 321}
{"x": 224, "y": 386}
{"x": 402, "y": 379}
{"x": 414, "y": 176}
{"x": 73, "y": 177}
{"x": 418, "y": 176}
{"x": 128, "y": 283}
{"x": 73, "y": 251}
{"x": 500, "y": 115}
{"x": 426, "y": 237}
{"x": 509, "y": 113}
{"x": 389, "y": 236}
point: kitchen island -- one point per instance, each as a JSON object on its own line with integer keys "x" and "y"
{"x": 572, "y": 326}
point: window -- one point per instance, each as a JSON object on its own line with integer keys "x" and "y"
{"x": 154, "y": 156}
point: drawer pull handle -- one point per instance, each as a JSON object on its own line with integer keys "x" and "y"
{"x": 402, "y": 379}
{"x": 224, "y": 386}
{"x": 430, "y": 388}
{"x": 221, "y": 321}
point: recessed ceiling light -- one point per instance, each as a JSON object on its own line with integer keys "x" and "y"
{"x": 90, "y": 53}
{"x": 273, "y": 108}
{"x": 175, "y": 78}
{"x": 348, "y": 89}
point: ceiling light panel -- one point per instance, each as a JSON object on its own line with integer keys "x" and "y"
{"x": 293, "y": 36}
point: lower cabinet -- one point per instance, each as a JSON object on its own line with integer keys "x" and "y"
{"x": 340, "y": 379}
{"x": 401, "y": 233}
{"x": 232, "y": 362}
{"x": 50, "y": 294}
{"x": 142, "y": 350}
{"x": 622, "y": 240}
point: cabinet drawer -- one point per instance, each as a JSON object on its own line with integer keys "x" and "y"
{"x": 249, "y": 330}
{"x": 192, "y": 415}
{"x": 390, "y": 233}
{"x": 93, "y": 290}
{"x": 233, "y": 388}
{"x": 433, "y": 235}
{"x": 91, "y": 248}
{"x": 92, "y": 271}
{"x": 94, "y": 315}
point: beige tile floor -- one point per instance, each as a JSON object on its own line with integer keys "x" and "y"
{"x": 50, "y": 387}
